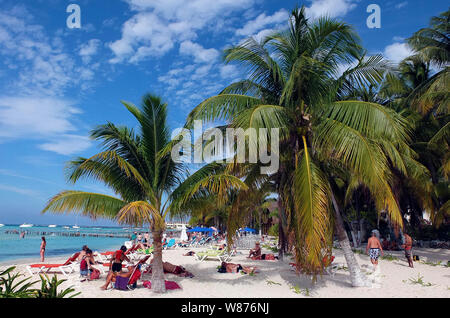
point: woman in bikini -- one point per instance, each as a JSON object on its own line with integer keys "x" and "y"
{"x": 115, "y": 264}
{"x": 43, "y": 244}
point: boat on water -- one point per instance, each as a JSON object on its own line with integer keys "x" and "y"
{"x": 75, "y": 227}
{"x": 26, "y": 225}
{"x": 66, "y": 227}
{"x": 52, "y": 225}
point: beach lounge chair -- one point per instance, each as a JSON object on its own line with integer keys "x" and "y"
{"x": 219, "y": 255}
{"x": 226, "y": 256}
{"x": 66, "y": 268}
{"x": 170, "y": 244}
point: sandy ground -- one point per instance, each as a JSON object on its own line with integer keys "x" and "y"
{"x": 276, "y": 279}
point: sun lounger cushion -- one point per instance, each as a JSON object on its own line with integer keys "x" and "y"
{"x": 46, "y": 265}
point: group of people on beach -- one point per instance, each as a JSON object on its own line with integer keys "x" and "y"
{"x": 88, "y": 271}
{"x": 374, "y": 248}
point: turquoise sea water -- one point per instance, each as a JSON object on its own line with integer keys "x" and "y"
{"x": 60, "y": 241}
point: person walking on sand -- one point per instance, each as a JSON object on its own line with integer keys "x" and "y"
{"x": 43, "y": 244}
{"x": 408, "y": 249}
{"x": 375, "y": 248}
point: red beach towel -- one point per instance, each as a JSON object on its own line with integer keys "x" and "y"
{"x": 169, "y": 284}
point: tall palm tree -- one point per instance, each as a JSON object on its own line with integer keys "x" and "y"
{"x": 432, "y": 44}
{"x": 141, "y": 172}
{"x": 294, "y": 84}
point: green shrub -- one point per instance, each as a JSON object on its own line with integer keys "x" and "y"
{"x": 49, "y": 288}
{"x": 10, "y": 287}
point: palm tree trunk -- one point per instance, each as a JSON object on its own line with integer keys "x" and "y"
{"x": 356, "y": 276}
{"x": 158, "y": 283}
{"x": 281, "y": 236}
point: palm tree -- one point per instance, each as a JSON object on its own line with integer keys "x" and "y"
{"x": 294, "y": 84}
{"x": 432, "y": 44}
{"x": 141, "y": 172}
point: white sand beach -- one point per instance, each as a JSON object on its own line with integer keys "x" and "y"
{"x": 277, "y": 280}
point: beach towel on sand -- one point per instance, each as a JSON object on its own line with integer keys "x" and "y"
{"x": 169, "y": 285}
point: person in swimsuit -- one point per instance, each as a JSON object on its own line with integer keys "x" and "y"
{"x": 86, "y": 263}
{"x": 82, "y": 253}
{"x": 408, "y": 249}
{"x": 43, "y": 244}
{"x": 375, "y": 248}
{"x": 112, "y": 276}
{"x": 255, "y": 253}
{"x": 115, "y": 264}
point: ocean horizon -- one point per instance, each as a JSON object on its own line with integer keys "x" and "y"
{"x": 60, "y": 240}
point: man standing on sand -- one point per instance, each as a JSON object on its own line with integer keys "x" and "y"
{"x": 375, "y": 248}
{"x": 408, "y": 249}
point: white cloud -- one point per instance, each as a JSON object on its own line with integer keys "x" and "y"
{"x": 397, "y": 51}
{"x": 39, "y": 62}
{"x": 401, "y": 4}
{"x": 35, "y": 116}
{"x": 158, "y": 26}
{"x": 48, "y": 119}
{"x": 28, "y": 192}
{"x": 198, "y": 52}
{"x": 330, "y": 8}
{"x": 228, "y": 71}
{"x": 262, "y": 21}
{"x": 89, "y": 49}
{"x": 67, "y": 144}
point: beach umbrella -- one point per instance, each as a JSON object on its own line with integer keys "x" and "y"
{"x": 247, "y": 229}
{"x": 183, "y": 235}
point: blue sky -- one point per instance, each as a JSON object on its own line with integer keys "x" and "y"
{"x": 58, "y": 83}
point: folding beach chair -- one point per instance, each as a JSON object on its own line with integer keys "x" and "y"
{"x": 66, "y": 268}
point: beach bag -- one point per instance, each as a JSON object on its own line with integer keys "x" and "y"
{"x": 416, "y": 258}
{"x": 121, "y": 283}
{"x": 95, "y": 274}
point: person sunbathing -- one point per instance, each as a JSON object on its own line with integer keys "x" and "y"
{"x": 235, "y": 268}
{"x": 112, "y": 276}
{"x": 172, "y": 269}
{"x": 255, "y": 253}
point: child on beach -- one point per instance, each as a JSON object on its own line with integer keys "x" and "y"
{"x": 42, "y": 252}
{"x": 86, "y": 268}
{"x": 82, "y": 253}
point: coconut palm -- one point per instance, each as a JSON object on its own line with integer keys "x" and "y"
{"x": 432, "y": 44}
{"x": 140, "y": 171}
{"x": 294, "y": 84}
